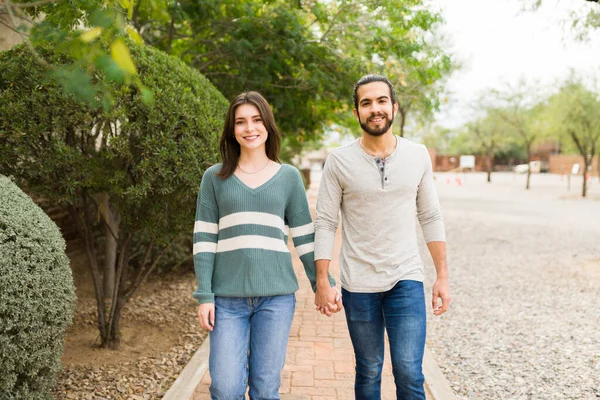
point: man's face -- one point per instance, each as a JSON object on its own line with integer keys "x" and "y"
{"x": 375, "y": 112}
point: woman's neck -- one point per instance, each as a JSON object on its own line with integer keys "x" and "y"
{"x": 256, "y": 157}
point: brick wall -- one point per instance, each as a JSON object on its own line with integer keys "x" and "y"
{"x": 444, "y": 163}
{"x": 562, "y": 164}
{"x": 433, "y": 156}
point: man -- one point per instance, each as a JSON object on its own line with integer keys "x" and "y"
{"x": 380, "y": 182}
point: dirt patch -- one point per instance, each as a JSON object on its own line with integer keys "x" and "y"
{"x": 158, "y": 337}
{"x": 139, "y": 339}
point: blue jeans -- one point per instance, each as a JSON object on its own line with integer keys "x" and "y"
{"x": 400, "y": 311}
{"x": 248, "y": 345}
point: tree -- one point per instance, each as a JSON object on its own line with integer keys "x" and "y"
{"x": 135, "y": 168}
{"x": 419, "y": 87}
{"x": 582, "y": 19}
{"x": 447, "y": 141}
{"x": 575, "y": 112}
{"x": 79, "y": 30}
{"x": 304, "y": 58}
{"x": 519, "y": 110}
{"x": 488, "y": 134}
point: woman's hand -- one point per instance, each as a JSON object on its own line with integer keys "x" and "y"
{"x": 206, "y": 315}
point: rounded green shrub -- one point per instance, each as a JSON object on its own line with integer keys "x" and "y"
{"x": 148, "y": 157}
{"x": 36, "y": 296}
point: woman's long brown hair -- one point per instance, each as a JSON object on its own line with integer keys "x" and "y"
{"x": 228, "y": 145}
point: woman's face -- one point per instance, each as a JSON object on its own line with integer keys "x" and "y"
{"x": 250, "y": 132}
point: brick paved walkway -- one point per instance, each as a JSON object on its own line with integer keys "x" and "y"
{"x": 320, "y": 361}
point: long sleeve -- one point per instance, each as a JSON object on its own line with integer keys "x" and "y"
{"x": 428, "y": 205}
{"x": 206, "y": 229}
{"x": 302, "y": 230}
{"x": 328, "y": 207}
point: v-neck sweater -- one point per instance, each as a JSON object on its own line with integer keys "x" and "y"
{"x": 380, "y": 201}
{"x": 241, "y": 235}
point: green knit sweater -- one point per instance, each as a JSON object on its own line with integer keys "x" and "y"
{"x": 241, "y": 236}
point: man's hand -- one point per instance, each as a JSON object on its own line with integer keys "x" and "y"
{"x": 328, "y": 300}
{"x": 441, "y": 290}
{"x": 206, "y": 315}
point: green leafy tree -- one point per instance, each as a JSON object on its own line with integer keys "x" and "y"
{"x": 488, "y": 136}
{"x": 575, "y": 115}
{"x": 79, "y": 30}
{"x": 420, "y": 87}
{"x": 135, "y": 168}
{"x": 520, "y": 109}
{"x": 582, "y": 18}
{"x": 305, "y": 58}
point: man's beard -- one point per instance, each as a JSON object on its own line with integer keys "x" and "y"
{"x": 377, "y": 131}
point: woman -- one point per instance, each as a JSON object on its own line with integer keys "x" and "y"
{"x": 246, "y": 281}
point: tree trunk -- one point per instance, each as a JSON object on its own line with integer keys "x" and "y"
{"x": 402, "y": 122}
{"x": 490, "y": 162}
{"x": 170, "y": 37}
{"x": 118, "y": 296}
{"x": 528, "y": 169}
{"x": 84, "y": 228}
{"x": 585, "y": 171}
{"x": 114, "y": 336}
{"x": 111, "y": 235}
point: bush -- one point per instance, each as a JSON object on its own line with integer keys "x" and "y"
{"x": 36, "y": 296}
{"x": 135, "y": 166}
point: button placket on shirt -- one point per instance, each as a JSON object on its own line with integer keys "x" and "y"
{"x": 382, "y": 172}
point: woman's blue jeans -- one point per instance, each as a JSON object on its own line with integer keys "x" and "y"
{"x": 248, "y": 346}
{"x": 401, "y": 312}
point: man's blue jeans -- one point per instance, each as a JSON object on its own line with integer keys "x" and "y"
{"x": 248, "y": 345}
{"x": 401, "y": 312}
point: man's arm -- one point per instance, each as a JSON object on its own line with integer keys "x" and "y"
{"x": 430, "y": 218}
{"x": 441, "y": 287}
{"x": 327, "y": 299}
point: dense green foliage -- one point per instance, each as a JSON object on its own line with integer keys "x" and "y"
{"x": 36, "y": 296}
{"x": 304, "y": 56}
{"x": 147, "y": 158}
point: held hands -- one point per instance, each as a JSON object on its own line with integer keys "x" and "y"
{"x": 441, "y": 290}
{"x": 328, "y": 300}
{"x": 206, "y": 315}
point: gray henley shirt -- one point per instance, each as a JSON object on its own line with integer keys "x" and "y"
{"x": 378, "y": 200}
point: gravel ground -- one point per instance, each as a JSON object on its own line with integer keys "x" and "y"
{"x": 525, "y": 281}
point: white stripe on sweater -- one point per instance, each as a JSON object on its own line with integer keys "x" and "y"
{"x": 305, "y": 249}
{"x": 252, "y": 242}
{"x": 255, "y": 218}
{"x": 302, "y": 230}
{"x": 205, "y": 247}
{"x": 206, "y": 227}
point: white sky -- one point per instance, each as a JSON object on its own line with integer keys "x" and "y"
{"x": 497, "y": 43}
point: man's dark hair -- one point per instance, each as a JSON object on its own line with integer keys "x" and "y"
{"x": 370, "y": 79}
